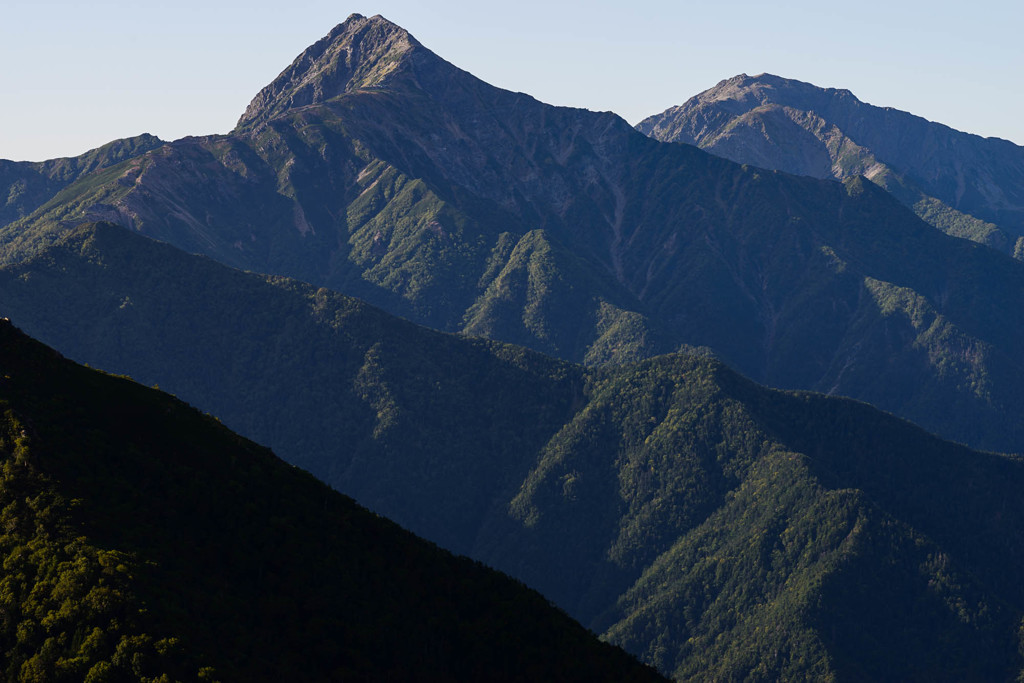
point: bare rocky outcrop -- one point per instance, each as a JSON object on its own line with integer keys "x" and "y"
{"x": 359, "y": 53}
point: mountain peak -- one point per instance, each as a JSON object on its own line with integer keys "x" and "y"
{"x": 737, "y": 96}
{"x": 766, "y": 88}
{"x": 358, "y": 53}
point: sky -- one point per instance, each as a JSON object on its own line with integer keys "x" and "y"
{"x": 75, "y": 75}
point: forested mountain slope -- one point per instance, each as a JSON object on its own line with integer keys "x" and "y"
{"x": 144, "y": 541}
{"x": 713, "y": 527}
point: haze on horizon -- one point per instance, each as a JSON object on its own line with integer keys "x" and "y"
{"x": 79, "y": 75}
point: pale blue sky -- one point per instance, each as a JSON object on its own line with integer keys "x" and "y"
{"x": 74, "y": 75}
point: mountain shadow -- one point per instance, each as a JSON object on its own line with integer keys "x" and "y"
{"x": 143, "y": 541}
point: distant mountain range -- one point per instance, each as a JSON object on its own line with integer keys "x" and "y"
{"x": 373, "y": 167}
{"x": 963, "y": 184}
{"x": 716, "y": 528}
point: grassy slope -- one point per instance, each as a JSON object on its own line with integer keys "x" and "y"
{"x": 25, "y": 186}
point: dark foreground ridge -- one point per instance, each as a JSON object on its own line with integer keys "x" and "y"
{"x": 143, "y": 541}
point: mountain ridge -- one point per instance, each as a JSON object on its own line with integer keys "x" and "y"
{"x": 358, "y": 53}
{"x": 472, "y": 209}
{"x": 962, "y": 183}
{"x": 144, "y": 541}
{"x": 671, "y": 505}
{"x": 757, "y": 88}
{"x": 717, "y": 528}
{"x": 27, "y": 185}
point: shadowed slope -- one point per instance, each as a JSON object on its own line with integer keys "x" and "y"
{"x": 143, "y": 539}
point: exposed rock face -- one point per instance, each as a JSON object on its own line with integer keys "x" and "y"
{"x": 360, "y": 53}
{"x": 963, "y": 184}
